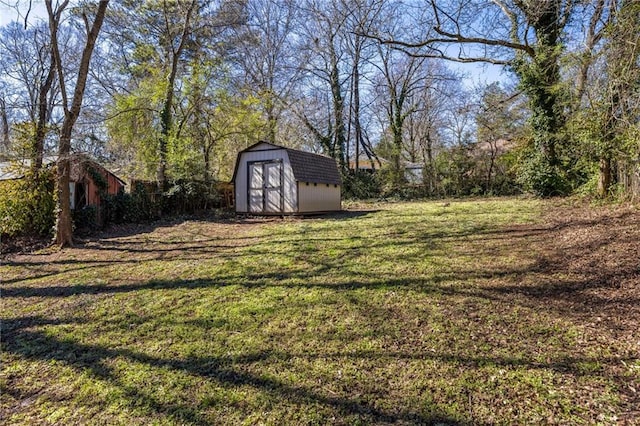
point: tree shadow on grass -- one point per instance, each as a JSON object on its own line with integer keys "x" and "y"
{"x": 135, "y": 229}
{"x": 343, "y": 215}
{"x": 297, "y": 279}
{"x": 22, "y": 340}
{"x": 539, "y": 277}
{"x": 556, "y": 272}
{"x": 570, "y": 290}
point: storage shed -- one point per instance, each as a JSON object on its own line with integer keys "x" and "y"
{"x": 90, "y": 182}
{"x": 272, "y": 179}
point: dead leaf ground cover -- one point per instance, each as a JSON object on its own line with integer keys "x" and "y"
{"x": 505, "y": 311}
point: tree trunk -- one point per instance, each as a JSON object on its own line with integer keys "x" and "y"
{"x": 64, "y": 225}
{"x": 356, "y": 105}
{"x": 43, "y": 117}
{"x": 547, "y": 119}
{"x": 4, "y": 127}
{"x": 207, "y": 165}
{"x": 272, "y": 120}
{"x": 492, "y": 161}
{"x": 547, "y": 59}
{"x": 398, "y": 173}
{"x": 165, "y": 114}
{"x": 338, "y": 117}
{"x": 165, "y": 126}
{"x": 605, "y": 177}
{"x": 431, "y": 170}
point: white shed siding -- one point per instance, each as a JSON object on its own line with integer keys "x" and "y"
{"x": 319, "y": 197}
{"x": 265, "y": 152}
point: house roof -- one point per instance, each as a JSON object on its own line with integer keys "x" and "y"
{"x": 307, "y": 166}
{"x": 499, "y": 146}
{"x": 15, "y": 170}
{"x": 79, "y": 162}
{"x": 367, "y": 164}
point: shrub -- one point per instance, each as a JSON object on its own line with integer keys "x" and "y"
{"x": 143, "y": 203}
{"x": 136, "y": 207}
{"x": 117, "y": 208}
{"x": 190, "y": 196}
{"x": 85, "y": 219}
{"x": 361, "y": 185}
{"x": 27, "y": 205}
{"x": 543, "y": 179}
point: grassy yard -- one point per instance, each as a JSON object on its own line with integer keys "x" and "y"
{"x": 511, "y": 311}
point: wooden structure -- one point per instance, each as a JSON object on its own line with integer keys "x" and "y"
{"x": 89, "y": 182}
{"x": 275, "y": 180}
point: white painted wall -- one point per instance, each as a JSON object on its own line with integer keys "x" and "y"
{"x": 318, "y": 198}
{"x": 265, "y": 152}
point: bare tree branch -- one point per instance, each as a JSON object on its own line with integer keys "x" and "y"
{"x": 435, "y": 53}
{"x": 459, "y": 38}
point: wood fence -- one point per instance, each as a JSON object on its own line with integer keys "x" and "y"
{"x": 629, "y": 178}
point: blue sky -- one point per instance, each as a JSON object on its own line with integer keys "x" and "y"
{"x": 480, "y": 74}
{"x": 476, "y": 74}
{"x": 8, "y": 14}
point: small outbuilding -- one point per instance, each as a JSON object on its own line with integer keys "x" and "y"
{"x": 89, "y": 181}
{"x": 273, "y": 180}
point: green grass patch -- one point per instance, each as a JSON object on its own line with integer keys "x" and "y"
{"x": 408, "y": 313}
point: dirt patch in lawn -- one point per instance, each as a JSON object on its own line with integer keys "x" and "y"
{"x": 589, "y": 264}
{"x": 22, "y": 244}
{"x": 588, "y": 270}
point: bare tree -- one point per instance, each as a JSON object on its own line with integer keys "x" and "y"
{"x": 500, "y": 121}
{"x": 423, "y": 139}
{"x": 401, "y": 77}
{"x": 601, "y": 17}
{"x": 44, "y": 113}
{"x": 4, "y": 126}
{"x": 364, "y": 16}
{"x": 269, "y": 56}
{"x": 522, "y": 35}
{"x": 28, "y": 65}
{"x": 325, "y": 36}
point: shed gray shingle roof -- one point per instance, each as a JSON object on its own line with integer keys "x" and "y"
{"x": 314, "y": 168}
{"x": 307, "y": 167}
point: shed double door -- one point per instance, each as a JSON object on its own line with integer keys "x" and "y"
{"x": 265, "y": 187}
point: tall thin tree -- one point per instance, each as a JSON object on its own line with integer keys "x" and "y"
{"x": 64, "y": 228}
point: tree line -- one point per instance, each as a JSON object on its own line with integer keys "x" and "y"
{"x": 166, "y": 90}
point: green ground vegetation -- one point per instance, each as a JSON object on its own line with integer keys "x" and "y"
{"x": 506, "y": 311}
